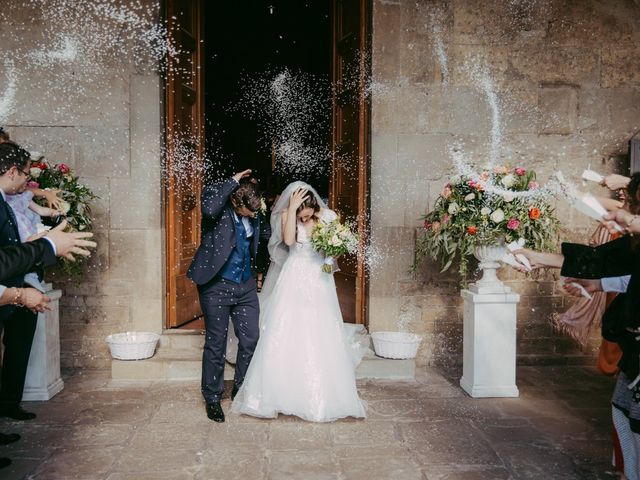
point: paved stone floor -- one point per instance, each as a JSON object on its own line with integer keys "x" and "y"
{"x": 95, "y": 429}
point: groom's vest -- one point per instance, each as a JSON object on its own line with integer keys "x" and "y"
{"x": 237, "y": 269}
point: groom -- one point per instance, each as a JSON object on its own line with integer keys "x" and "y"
{"x": 223, "y": 270}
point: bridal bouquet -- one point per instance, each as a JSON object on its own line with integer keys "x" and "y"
{"x": 333, "y": 239}
{"x": 76, "y": 199}
{"x": 503, "y": 204}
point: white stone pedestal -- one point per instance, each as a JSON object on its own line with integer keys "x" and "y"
{"x": 489, "y": 357}
{"x": 43, "y": 373}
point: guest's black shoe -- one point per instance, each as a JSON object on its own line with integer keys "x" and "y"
{"x": 5, "y": 462}
{"x": 214, "y": 412}
{"x": 234, "y": 391}
{"x": 17, "y": 413}
{"x": 7, "y": 438}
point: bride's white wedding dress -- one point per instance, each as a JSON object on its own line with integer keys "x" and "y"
{"x": 302, "y": 365}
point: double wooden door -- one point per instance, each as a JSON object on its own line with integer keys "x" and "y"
{"x": 349, "y": 183}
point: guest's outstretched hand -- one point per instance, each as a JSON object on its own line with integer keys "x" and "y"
{"x": 69, "y": 244}
{"x": 540, "y": 259}
{"x": 591, "y": 286}
{"x": 624, "y": 219}
{"x": 615, "y": 181}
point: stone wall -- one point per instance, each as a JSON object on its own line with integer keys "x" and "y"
{"x": 109, "y": 131}
{"x": 566, "y": 76}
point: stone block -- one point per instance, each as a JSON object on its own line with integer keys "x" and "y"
{"x": 102, "y": 152}
{"x": 621, "y": 65}
{"x": 56, "y": 143}
{"x": 135, "y": 203}
{"x": 418, "y": 62}
{"x": 147, "y": 314}
{"x": 423, "y": 157}
{"x": 383, "y": 312}
{"x": 146, "y": 151}
{"x": 558, "y": 109}
{"x": 132, "y": 254}
{"x": 387, "y": 29}
{"x": 384, "y": 157}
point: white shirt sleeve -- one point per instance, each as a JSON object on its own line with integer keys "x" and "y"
{"x": 615, "y": 284}
{"x": 2, "y": 290}
{"x": 53, "y": 245}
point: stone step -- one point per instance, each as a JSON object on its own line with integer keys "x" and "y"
{"x": 179, "y": 357}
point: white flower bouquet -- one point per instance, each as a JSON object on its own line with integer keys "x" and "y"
{"x": 333, "y": 239}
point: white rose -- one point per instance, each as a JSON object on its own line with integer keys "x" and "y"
{"x": 508, "y": 197}
{"x": 469, "y": 197}
{"x": 35, "y": 172}
{"x": 455, "y": 180}
{"x": 497, "y": 216}
{"x": 508, "y": 180}
{"x": 65, "y": 207}
{"x": 485, "y": 211}
{"x": 335, "y": 241}
{"x": 453, "y": 208}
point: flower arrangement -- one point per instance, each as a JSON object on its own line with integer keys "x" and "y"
{"x": 333, "y": 239}
{"x": 76, "y": 199}
{"x": 502, "y": 204}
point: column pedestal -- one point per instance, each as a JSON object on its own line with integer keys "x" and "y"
{"x": 43, "y": 372}
{"x": 489, "y": 342}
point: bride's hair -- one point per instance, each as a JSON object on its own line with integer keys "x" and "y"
{"x": 310, "y": 202}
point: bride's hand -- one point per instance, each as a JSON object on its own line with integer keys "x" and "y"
{"x": 297, "y": 198}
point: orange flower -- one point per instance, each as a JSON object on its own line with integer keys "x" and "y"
{"x": 472, "y": 230}
{"x": 534, "y": 213}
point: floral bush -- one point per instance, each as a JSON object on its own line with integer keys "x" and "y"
{"x": 500, "y": 205}
{"x": 76, "y": 201}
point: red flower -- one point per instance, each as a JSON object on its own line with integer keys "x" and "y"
{"x": 520, "y": 171}
{"x": 42, "y": 166}
{"x": 513, "y": 223}
{"x": 472, "y": 230}
{"x": 427, "y": 225}
{"x": 64, "y": 168}
{"x": 534, "y": 213}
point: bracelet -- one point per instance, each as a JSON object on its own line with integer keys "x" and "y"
{"x": 628, "y": 229}
{"x": 18, "y": 296}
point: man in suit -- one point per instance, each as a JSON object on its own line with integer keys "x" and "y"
{"x": 223, "y": 270}
{"x": 19, "y": 322}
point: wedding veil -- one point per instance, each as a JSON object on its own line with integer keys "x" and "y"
{"x": 278, "y": 250}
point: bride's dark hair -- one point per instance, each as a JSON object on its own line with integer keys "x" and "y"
{"x": 310, "y": 202}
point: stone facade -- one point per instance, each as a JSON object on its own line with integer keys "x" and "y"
{"x": 569, "y": 95}
{"x": 566, "y": 74}
{"x": 110, "y": 133}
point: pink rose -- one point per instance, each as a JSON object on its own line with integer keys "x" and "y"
{"x": 513, "y": 224}
{"x": 445, "y": 218}
{"x": 64, "y": 168}
{"x": 520, "y": 171}
{"x": 33, "y": 184}
{"x": 534, "y": 185}
{"x": 436, "y": 226}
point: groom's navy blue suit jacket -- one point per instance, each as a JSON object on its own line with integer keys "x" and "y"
{"x": 219, "y": 232}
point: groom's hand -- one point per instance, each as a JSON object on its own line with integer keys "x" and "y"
{"x": 240, "y": 175}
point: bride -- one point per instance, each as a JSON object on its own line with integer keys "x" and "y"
{"x": 302, "y": 365}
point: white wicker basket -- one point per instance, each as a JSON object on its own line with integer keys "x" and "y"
{"x": 132, "y": 345}
{"x": 397, "y": 345}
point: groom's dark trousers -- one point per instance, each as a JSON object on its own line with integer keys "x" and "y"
{"x": 222, "y": 270}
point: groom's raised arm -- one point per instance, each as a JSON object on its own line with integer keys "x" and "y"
{"x": 214, "y": 197}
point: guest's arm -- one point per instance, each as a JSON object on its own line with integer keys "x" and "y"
{"x": 611, "y": 259}
{"x": 17, "y": 260}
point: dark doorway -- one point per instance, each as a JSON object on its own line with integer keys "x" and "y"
{"x": 246, "y": 46}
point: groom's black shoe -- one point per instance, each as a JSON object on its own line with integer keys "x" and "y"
{"x": 16, "y": 412}
{"x": 214, "y": 412}
{"x": 234, "y": 391}
{"x": 7, "y": 438}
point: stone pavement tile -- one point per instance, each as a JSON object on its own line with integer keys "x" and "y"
{"x": 448, "y": 442}
{"x": 531, "y": 408}
{"x": 384, "y": 390}
{"x": 302, "y": 466}
{"x": 434, "y": 376}
{"x": 299, "y": 436}
{"x": 394, "y": 409}
{"x": 19, "y": 469}
{"x": 510, "y": 430}
{"x": 365, "y": 433}
{"x": 591, "y": 455}
{"x": 176, "y": 391}
{"x": 78, "y": 463}
{"x": 121, "y": 413}
{"x": 133, "y": 395}
{"x": 181, "y": 412}
{"x": 170, "y": 475}
{"x": 463, "y": 407}
{"x": 231, "y": 462}
{"x": 147, "y": 460}
{"x": 37, "y": 442}
{"x": 396, "y": 449}
{"x": 237, "y": 434}
{"x": 53, "y": 413}
{"x": 158, "y": 436}
{"x": 561, "y": 429}
{"x": 380, "y": 469}
{"x": 537, "y": 462}
{"x": 98, "y": 435}
{"x": 466, "y": 472}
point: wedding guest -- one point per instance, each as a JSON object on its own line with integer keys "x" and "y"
{"x": 19, "y": 322}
